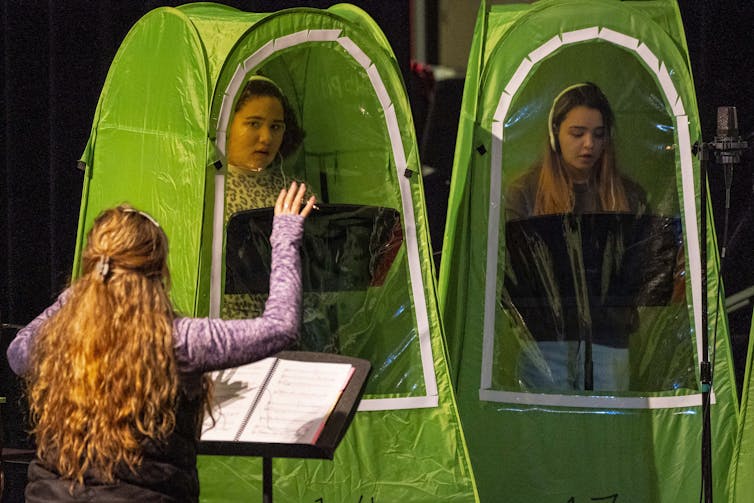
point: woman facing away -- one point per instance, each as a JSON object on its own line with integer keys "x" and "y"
{"x": 115, "y": 378}
{"x": 577, "y": 175}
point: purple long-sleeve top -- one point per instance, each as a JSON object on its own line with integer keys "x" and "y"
{"x": 205, "y": 344}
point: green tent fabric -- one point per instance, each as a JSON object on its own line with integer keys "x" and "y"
{"x": 158, "y": 142}
{"x": 741, "y": 480}
{"x": 641, "y": 442}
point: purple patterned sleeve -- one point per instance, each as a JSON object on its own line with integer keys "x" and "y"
{"x": 20, "y": 347}
{"x": 205, "y": 344}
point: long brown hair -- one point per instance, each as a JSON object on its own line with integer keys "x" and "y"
{"x": 555, "y": 187}
{"x": 103, "y": 374}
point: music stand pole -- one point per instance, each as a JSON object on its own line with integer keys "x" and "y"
{"x": 266, "y": 480}
{"x": 588, "y": 362}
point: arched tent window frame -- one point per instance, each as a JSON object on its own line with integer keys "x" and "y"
{"x": 672, "y": 97}
{"x": 430, "y": 399}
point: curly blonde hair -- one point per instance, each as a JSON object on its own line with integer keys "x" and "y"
{"x": 103, "y": 375}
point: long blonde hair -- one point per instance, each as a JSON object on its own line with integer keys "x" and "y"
{"x": 103, "y": 375}
{"x": 555, "y": 187}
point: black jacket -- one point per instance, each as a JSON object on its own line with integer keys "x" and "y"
{"x": 167, "y": 474}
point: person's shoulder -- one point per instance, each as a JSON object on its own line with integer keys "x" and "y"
{"x": 526, "y": 181}
{"x": 635, "y": 193}
{"x": 632, "y": 187}
{"x": 521, "y": 192}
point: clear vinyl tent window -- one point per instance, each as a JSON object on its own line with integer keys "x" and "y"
{"x": 651, "y": 137}
{"x": 363, "y": 287}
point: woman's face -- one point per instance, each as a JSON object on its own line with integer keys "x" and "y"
{"x": 256, "y": 133}
{"x": 582, "y": 138}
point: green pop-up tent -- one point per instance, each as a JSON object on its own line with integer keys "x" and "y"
{"x": 158, "y": 142}
{"x": 509, "y": 287}
{"x": 741, "y": 479}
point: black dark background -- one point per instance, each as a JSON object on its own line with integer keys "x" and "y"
{"x": 55, "y": 56}
{"x": 722, "y": 62}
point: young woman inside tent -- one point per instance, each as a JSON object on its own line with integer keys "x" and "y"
{"x": 115, "y": 377}
{"x": 578, "y": 173}
{"x": 577, "y": 176}
{"x": 263, "y": 133}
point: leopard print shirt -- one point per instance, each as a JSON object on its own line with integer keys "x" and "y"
{"x": 245, "y": 190}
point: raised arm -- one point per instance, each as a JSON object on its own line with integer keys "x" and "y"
{"x": 204, "y": 344}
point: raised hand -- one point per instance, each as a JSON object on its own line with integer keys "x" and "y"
{"x": 290, "y": 201}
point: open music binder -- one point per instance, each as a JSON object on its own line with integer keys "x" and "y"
{"x": 295, "y": 404}
{"x": 287, "y": 401}
{"x": 247, "y": 431}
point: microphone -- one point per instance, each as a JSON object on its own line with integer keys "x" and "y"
{"x": 728, "y": 145}
{"x": 727, "y": 121}
{"x": 728, "y": 148}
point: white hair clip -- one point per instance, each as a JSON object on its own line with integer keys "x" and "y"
{"x": 103, "y": 266}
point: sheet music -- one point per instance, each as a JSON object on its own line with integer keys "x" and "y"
{"x": 235, "y": 390}
{"x": 294, "y": 406}
{"x": 295, "y": 400}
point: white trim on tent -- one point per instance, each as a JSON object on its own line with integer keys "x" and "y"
{"x": 662, "y": 75}
{"x": 215, "y": 281}
{"x": 588, "y": 402}
{"x": 430, "y": 399}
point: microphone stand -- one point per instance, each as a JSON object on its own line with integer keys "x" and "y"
{"x": 727, "y": 147}
{"x": 705, "y": 367}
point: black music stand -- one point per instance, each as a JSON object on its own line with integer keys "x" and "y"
{"x": 569, "y": 257}
{"x": 334, "y": 430}
{"x": 345, "y": 248}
